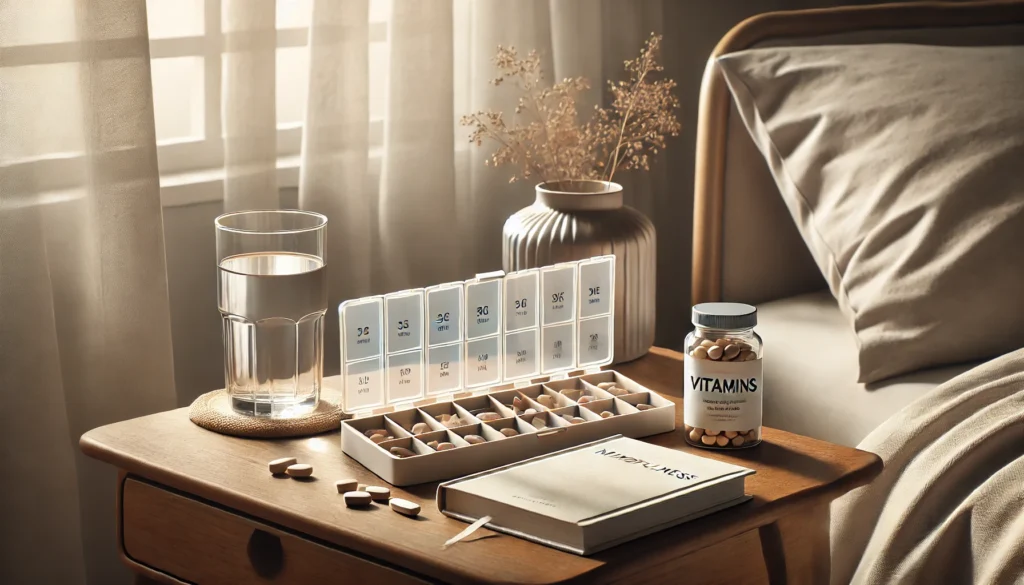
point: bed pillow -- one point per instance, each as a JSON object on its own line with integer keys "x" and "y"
{"x": 903, "y": 167}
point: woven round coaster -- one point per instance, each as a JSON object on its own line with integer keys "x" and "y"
{"x": 213, "y": 412}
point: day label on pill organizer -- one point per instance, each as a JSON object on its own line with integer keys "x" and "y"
{"x": 558, "y": 347}
{"x": 595, "y": 288}
{"x": 364, "y": 386}
{"x": 404, "y": 322}
{"x": 444, "y": 315}
{"x": 521, "y": 306}
{"x": 483, "y": 362}
{"x": 362, "y": 322}
{"x": 594, "y": 340}
{"x": 483, "y": 308}
{"x": 558, "y": 294}
{"x": 444, "y": 368}
{"x": 405, "y": 376}
{"x": 521, "y": 354}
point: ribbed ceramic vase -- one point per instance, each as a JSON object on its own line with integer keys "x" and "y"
{"x": 573, "y": 220}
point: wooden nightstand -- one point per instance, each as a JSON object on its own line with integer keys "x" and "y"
{"x": 195, "y": 506}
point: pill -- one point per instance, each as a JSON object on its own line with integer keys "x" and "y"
{"x": 606, "y": 385}
{"x": 420, "y": 428}
{"x": 737, "y": 441}
{"x": 433, "y": 444}
{"x": 509, "y": 432}
{"x": 456, "y": 422}
{"x": 488, "y": 416}
{"x": 405, "y": 507}
{"x": 707, "y": 440}
{"x": 530, "y": 411}
{"x": 715, "y": 353}
{"x": 346, "y": 485}
{"x": 644, "y": 406}
{"x": 722, "y": 440}
{"x": 474, "y": 439}
{"x": 299, "y": 470}
{"x": 373, "y": 432}
{"x": 280, "y": 465}
{"x": 700, "y": 353}
{"x": 546, "y": 401}
{"x": 707, "y": 343}
{"x": 577, "y": 420}
{"x": 539, "y": 423}
{"x": 607, "y": 414}
{"x": 401, "y": 452}
{"x": 743, "y": 345}
{"x": 722, "y": 342}
{"x": 445, "y": 446}
{"x": 377, "y": 493}
{"x": 695, "y": 435}
{"x": 381, "y": 438}
{"x": 730, "y": 434}
{"x": 357, "y": 499}
{"x": 730, "y": 352}
{"x": 586, "y": 399}
{"x": 746, "y": 355}
{"x": 444, "y": 417}
{"x": 519, "y": 403}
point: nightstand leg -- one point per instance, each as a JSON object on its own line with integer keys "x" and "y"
{"x": 796, "y": 548}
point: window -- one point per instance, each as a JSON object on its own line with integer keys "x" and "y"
{"x": 185, "y": 47}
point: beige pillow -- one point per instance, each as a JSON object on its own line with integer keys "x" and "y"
{"x": 903, "y": 167}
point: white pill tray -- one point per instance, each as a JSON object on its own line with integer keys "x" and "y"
{"x": 470, "y": 347}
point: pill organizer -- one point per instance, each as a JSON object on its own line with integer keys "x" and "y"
{"x": 485, "y": 345}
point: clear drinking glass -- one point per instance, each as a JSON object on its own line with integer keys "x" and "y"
{"x": 272, "y": 295}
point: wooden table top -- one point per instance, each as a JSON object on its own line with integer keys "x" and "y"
{"x": 793, "y": 472}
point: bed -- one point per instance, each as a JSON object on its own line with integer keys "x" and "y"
{"x": 828, "y": 299}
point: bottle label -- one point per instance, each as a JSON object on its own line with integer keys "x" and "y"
{"x": 722, "y": 396}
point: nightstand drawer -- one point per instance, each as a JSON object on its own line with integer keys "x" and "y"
{"x": 201, "y": 543}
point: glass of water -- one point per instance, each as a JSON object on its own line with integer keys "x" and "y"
{"x": 272, "y": 295}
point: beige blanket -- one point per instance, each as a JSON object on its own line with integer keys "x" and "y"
{"x": 949, "y": 506}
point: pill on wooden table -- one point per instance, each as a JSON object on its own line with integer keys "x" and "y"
{"x": 346, "y": 485}
{"x": 711, "y": 432}
{"x": 737, "y": 441}
{"x": 696, "y": 434}
{"x": 433, "y": 444}
{"x": 299, "y": 470}
{"x": 445, "y": 446}
{"x": 405, "y": 507}
{"x": 538, "y": 422}
{"x": 722, "y": 440}
{"x": 644, "y": 406}
{"x": 730, "y": 351}
{"x": 279, "y": 465}
{"x": 420, "y": 428}
{"x": 357, "y": 499}
{"x": 722, "y": 342}
{"x": 488, "y": 416}
{"x": 707, "y": 343}
{"x": 474, "y": 439}
{"x": 730, "y": 434}
{"x": 373, "y": 432}
{"x": 708, "y": 440}
{"x": 509, "y": 432}
{"x": 606, "y": 385}
{"x": 545, "y": 401}
{"x": 715, "y": 353}
{"x": 586, "y": 399}
{"x": 700, "y": 353}
{"x": 402, "y": 452}
{"x": 378, "y": 493}
{"x": 607, "y": 414}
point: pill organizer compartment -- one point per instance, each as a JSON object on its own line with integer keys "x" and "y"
{"x": 477, "y": 347}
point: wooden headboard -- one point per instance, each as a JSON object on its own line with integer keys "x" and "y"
{"x": 715, "y": 100}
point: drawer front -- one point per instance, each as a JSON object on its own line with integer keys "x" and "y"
{"x": 197, "y": 542}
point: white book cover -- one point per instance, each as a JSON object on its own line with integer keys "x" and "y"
{"x": 596, "y": 495}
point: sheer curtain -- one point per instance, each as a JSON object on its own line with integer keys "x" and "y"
{"x": 85, "y": 329}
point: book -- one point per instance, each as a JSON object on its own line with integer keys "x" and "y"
{"x": 597, "y": 495}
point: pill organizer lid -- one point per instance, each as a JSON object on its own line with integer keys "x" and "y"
{"x": 592, "y": 317}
